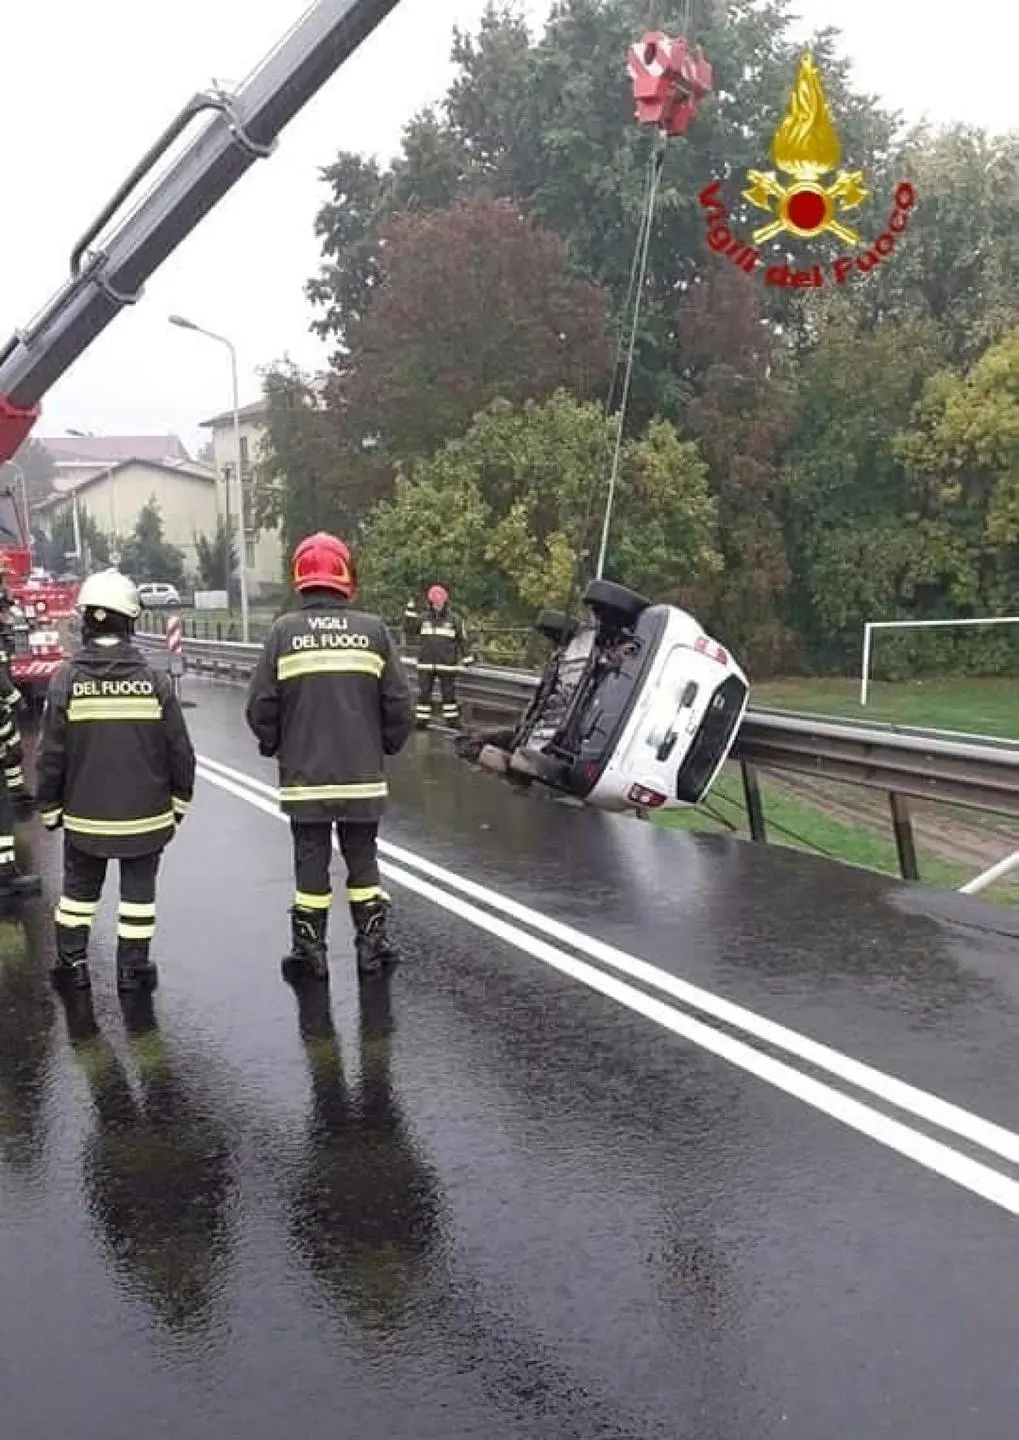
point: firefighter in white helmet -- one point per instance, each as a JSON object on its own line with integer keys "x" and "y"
{"x": 116, "y": 769}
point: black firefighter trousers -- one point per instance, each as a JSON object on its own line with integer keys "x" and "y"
{"x": 358, "y": 841}
{"x": 446, "y": 676}
{"x": 84, "y": 875}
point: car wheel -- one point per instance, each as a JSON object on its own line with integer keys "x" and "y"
{"x": 556, "y": 626}
{"x": 614, "y": 604}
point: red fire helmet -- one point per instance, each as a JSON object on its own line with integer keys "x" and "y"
{"x": 437, "y": 596}
{"x": 322, "y": 561}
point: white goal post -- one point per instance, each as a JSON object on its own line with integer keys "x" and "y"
{"x": 872, "y": 625}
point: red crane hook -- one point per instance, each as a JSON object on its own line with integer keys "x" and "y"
{"x": 670, "y": 80}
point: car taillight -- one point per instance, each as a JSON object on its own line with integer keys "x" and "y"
{"x": 704, "y": 646}
{"x": 646, "y": 799}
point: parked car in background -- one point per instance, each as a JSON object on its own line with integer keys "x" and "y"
{"x": 155, "y": 595}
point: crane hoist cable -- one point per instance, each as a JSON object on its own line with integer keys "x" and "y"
{"x": 655, "y": 166}
{"x": 671, "y": 78}
{"x": 624, "y": 352}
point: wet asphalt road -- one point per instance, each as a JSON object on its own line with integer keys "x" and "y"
{"x": 486, "y": 1199}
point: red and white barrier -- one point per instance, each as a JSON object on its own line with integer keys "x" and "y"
{"x": 175, "y": 645}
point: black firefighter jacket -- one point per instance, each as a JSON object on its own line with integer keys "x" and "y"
{"x": 329, "y": 698}
{"x": 442, "y": 639}
{"x": 116, "y": 765}
{"x": 10, "y": 738}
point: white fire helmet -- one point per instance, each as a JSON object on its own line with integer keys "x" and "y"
{"x": 112, "y": 591}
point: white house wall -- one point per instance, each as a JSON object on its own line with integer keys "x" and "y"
{"x": 187, "y": 505}
{"x": 264, "y": 552}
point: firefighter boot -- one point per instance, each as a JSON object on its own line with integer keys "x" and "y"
{"x": 308, "y": 944}
{"x": 14, "y": 885}
{"x": 135, "y": 971}
{"x": 71, "y": 970}
{"x": 371, "y": 936}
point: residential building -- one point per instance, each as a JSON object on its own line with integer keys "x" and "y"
{"x": 263, "y": 551}
{"x": 108, "y": 479}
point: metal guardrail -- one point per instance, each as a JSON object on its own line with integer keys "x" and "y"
{"x": 904, "y": 762}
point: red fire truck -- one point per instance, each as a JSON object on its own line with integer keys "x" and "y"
{"x": 38, "y": 622}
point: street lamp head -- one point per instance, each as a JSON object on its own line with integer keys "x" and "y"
{"x": 184, "y": 324}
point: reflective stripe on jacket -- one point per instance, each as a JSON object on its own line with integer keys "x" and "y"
{"x": 11, "y": 753}
{"x": 116, "y": 762}
{"x": 443, "y": 641}
{"x": 329, "y": 698}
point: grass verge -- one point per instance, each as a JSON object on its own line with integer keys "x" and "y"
{"x": 977, "y": 706}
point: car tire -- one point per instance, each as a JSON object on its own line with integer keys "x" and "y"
{"x": 556, "y": 626}
{"x": 614, "y": 604}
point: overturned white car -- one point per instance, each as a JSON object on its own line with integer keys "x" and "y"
{"x": 636, "y": 709}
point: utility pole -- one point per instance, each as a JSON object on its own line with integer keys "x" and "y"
{"x": 183, "y": 324}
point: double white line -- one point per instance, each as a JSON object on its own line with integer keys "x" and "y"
{"x": 530, "y": 931}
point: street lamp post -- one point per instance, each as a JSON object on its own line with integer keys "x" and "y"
{"x": 110, "y": 475}
{"x": 241, "y": 548}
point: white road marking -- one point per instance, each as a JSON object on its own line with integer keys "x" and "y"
{"x": 920, "y": 1103}
{"x": 970, "y": 1174}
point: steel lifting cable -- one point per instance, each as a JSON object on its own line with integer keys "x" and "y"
{"x": 641, "y": 256}
{"x": 638, "y": 275}
{"x": 624, "y": 361}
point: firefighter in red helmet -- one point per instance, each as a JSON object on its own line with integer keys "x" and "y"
{"x": 329, "y": 699}
{"x": 441, "y": 654}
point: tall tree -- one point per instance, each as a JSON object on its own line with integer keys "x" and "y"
{"x": 548, "y": 122}
{"x": 507, "y": 513}
{"x": 959, "y": 261}
{"x": 475, "y": 303}
{"x": 146, "y": 554}
{"x": 217, "y": 557}
{"x": 311, "y": 475}
{"x": 962, "y": 463}
{"x": 742, "y": 411}
{"x": 55, "y": 549}
{"x": 850, "y": 540}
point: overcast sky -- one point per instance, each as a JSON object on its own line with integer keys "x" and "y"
{"x": 86, "y": 87}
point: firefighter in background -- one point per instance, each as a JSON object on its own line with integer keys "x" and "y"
{"x": 11, "y": 755}
{"x": 329, "y": 698}
{"x": 15, "y": 801}
{"x": 442, "y": 652}
{"x": 116, "y": 769}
